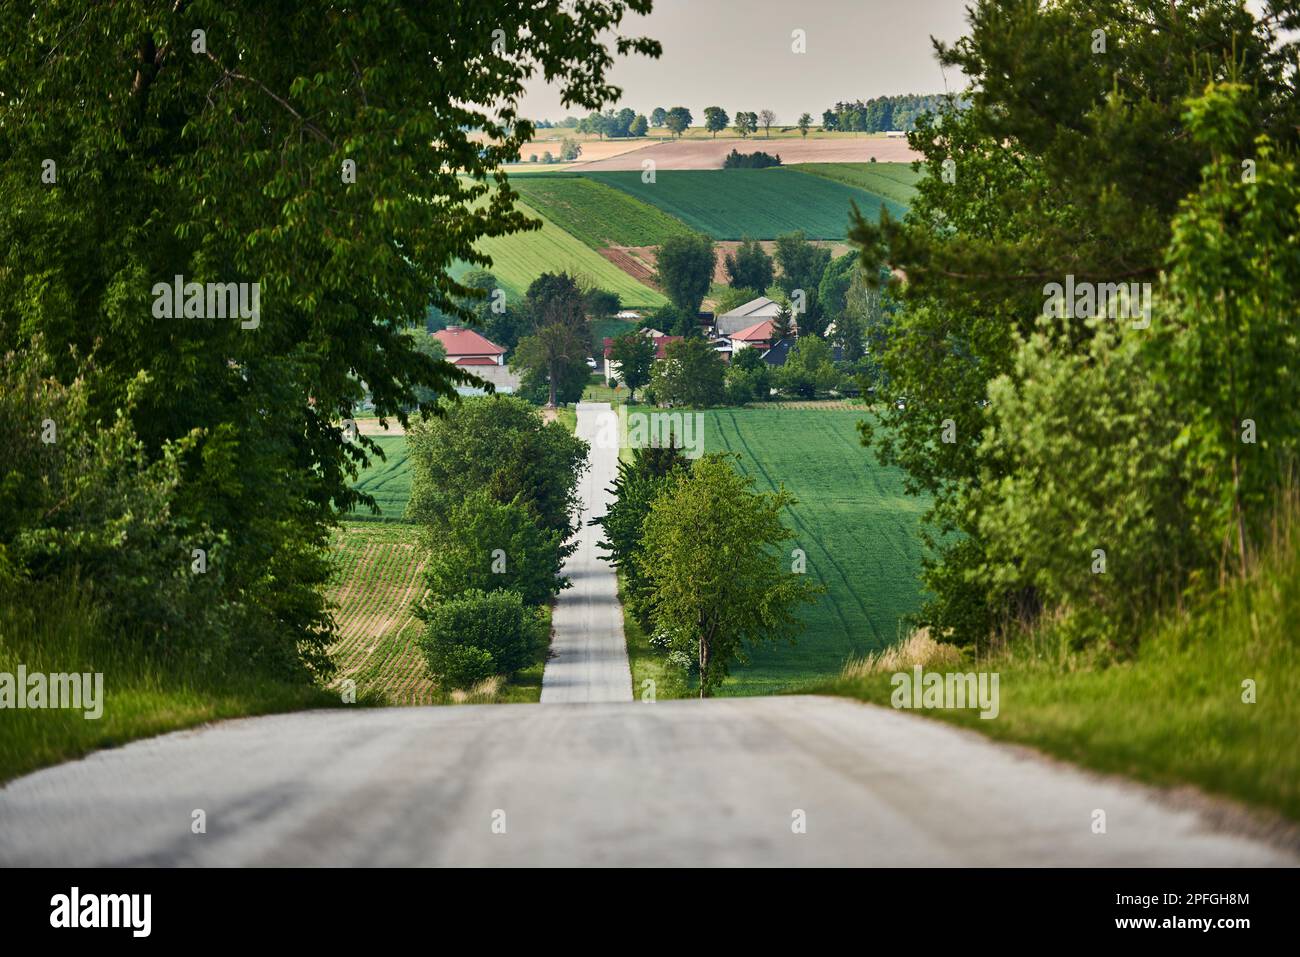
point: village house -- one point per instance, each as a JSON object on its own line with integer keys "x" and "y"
{"x": 478, "y": 356}
{"x": 660, "y": 340}
{"x": 745, "y": 316}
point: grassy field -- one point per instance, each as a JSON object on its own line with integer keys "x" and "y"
{"x": 894, "y": 181}
{"x": 858, "y": 529}
{"x": 520, "y": 258}
{"x": 596, "y": 213}
{"x": 762, "y": 204}
{"x": 389, "y": 481}
{"x": 1172, "y": 715}
{"x": 378, "y": 579}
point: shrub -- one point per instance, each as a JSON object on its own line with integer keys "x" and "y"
{"x": 489, "y": 546}
{"x": 478, "y": 634}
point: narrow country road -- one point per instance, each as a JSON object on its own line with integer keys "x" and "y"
{"x": 588, "y": 653}
{"x": 717, "y": 782}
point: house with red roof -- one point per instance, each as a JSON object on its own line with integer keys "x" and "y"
{"x": 661, "y": 342}
{"x": 757, "y": 336}
{"x": 465, "y": 347}
{"x": 478, "y": 355}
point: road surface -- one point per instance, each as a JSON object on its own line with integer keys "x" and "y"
{"x": 718, "y": 782}
{"x": 588, "y": 652}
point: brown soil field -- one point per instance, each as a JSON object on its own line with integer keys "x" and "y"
{"x": 709, "y": 154}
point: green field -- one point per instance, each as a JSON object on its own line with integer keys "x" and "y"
{"x": 762, "y": 204}
{"x": 894, "y": 181}
{"x": 389, "y": 481}
{"x": 520, "y": 258}
{"x": 595, "y": 213}
{"x": 378, "y": 577}
{"x": 858, "y": 528}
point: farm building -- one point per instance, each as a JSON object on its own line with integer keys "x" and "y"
{"x": 742, "y": 317}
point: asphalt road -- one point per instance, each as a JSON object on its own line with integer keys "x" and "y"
{"x": 588, "y": 652}
{"x": 716, "y": 782}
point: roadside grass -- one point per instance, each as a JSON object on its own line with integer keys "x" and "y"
{"x": 567, "y": 416}
{"x": 647, "y": 663}
{"x": 55, "y": 630}
{"x": 1172, "y": 715}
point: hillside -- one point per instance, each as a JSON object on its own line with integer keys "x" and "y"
{"x": 762, "y": 204}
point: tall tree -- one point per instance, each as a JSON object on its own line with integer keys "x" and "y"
{"x": 635, "y": 354}
{"x": 805, "y": 124}
{"x": 284, "y": 150}
{"x": 691, "y": 374}
{"x": 746, "y": 123}
{"x": 713, "y": 556}
{"x": 685, "y": 268}
{"x": 715, "y": 119}
{"x": 767, "y": 118}
{"x": 802, "y": 266}
{"x": 750, "y": 267}
{"x": 678, "y": 120}
{"x": 640, "y": 126}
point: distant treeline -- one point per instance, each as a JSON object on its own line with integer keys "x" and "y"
{"x": 757, "y": 160}
{"x": 882, "y": 113}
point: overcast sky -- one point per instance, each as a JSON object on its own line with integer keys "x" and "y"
{"x": 737, "y": 54}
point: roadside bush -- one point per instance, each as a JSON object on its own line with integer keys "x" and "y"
{"x": 489, "y": 546}
{"x": 478, "y": 634}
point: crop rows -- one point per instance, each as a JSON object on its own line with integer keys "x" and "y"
{"x": 894, "y": 181}
{"x": 378, "y": 579}
{"x": 595, "y": 213}
{"x": 758, "y": 204}
{"x": 858, "y": 529}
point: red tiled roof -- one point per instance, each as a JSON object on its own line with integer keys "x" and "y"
{"x": 460, "y": 341}
{"x": 661, "y": 344}
{"x": 474, "y": 361}
{"x": 759, "y": 332}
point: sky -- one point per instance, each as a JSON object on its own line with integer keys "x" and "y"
{"x": 737, "y": 54}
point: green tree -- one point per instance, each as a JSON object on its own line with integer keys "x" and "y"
{"x": 635, "y": 354}
{"x": 746, "y": 123}
{"x": 691, "y": 374}
{"x": 805, "y": 124}
{"x": 478, "y": 634}
{"x": 556, "y": 356}
{"x": 492, "y": 545}
{"x": 713, "y": 559}
{"x": 1042, "y": 177}
{"x": 658, "y": 117}
{"x": 308, "y": 174}
{"x": 783, "y": 323}
{"x": 639, "y": 126}
{"x": 639, "y": 481}
{"x": 802, "y": 266}
{"x": 715, "y": 119}
{"x": 678, "y": 120}
{"x": 750, "y": 267}
{"x": 498, "y": 444}
{"x": 685, "y": 267}
{"x": 808, "y": 369}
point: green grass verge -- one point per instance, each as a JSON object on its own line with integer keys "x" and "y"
{"x": 596, "y": 213}
{"x": 520, "y": 258}
{"x": 142, "y": 696}
{"x": 647, "y": 663}
{"x": 763, "y": 204}
{"x": 1174, "y": 714}
{"x": 894, "y": 181}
